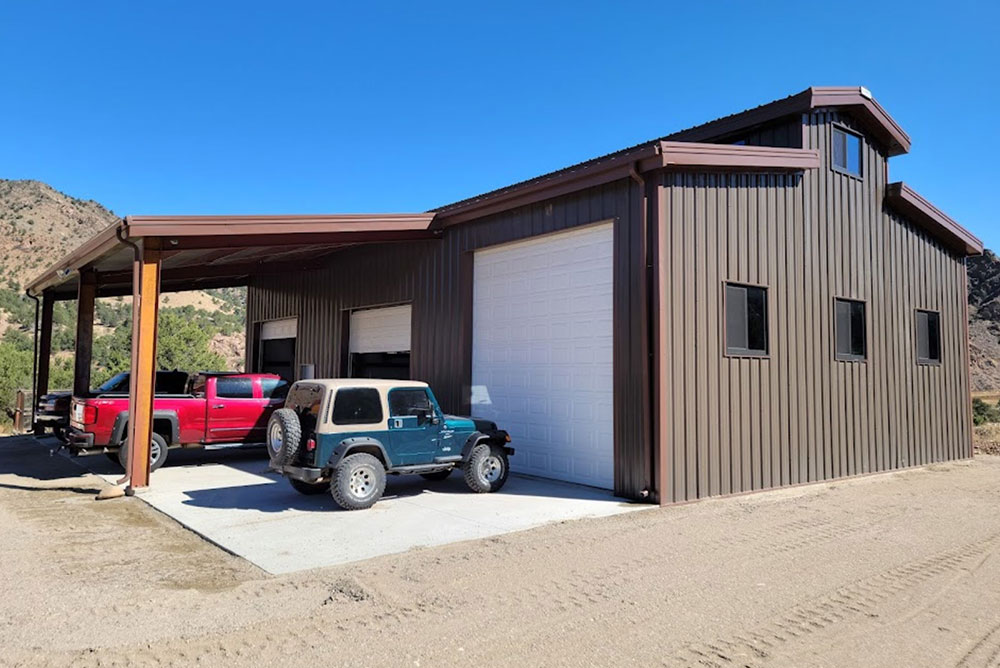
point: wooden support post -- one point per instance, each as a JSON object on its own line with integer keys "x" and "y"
{"x": 44, "y": 357}
{"x": 86, "y": 294}
{"x": 145, "y": 310}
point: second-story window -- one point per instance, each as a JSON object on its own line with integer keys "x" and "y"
{"x": 746, "y": 320}
{"x": 849, "y": 321}
{"x": 846, "y": 152}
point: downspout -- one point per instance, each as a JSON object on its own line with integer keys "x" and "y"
{"x": 34, "y": 360}
{"x": 633, "y": 172}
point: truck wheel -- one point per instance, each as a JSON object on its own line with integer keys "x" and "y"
{"x": 157, "y": 453}
{"x": 284, "y": 436}
{"x": 436, "y": 475}
{"x": 309, "y": 488}
{"x": 358, "y": 482}
{"x": 486, "y": 469}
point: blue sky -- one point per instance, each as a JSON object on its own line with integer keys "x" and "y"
{"x": 286, "y": 107}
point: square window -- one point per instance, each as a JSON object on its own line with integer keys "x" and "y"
{"x": 851, "y": 338}
{"x": 928, "y": 337}
{"x": 846, "y": 154}
{"x": 360, "y": 405}
{"x": 746, "y": 320}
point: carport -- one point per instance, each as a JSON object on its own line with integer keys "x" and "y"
{"x": 143, "y": 256}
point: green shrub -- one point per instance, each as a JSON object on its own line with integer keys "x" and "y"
{"x": 983, "y": 412}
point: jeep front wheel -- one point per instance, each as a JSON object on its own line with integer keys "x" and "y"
{"x": 358, "y": 482}
{"x": 487, "y": 468}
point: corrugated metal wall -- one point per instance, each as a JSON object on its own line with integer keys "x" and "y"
{"x": 436, "y": 277}
{"x": 732, "y": 425}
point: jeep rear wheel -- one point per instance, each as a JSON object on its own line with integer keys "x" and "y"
{"x": 157, "y": 453}
{"x": 487, "y": 468}
{"x": 358, "y": 482}
{"x": 309, "y": 488}
{"x": 284, "y": 436}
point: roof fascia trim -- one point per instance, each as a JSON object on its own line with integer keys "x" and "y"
{"x": 907, "y": 202}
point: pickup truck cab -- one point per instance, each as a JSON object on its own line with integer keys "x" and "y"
{"x": 343, "y": 436}
{"x": 214, "y": 409}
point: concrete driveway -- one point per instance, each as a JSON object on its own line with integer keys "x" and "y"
{"x": 230, "y": 498}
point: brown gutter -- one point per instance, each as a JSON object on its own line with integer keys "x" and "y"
{"x": 910, "y": 204}
{"x": 657, "y": 155}
{"x": 188, "y": 226}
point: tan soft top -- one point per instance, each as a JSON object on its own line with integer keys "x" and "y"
{"x": 376, "y": 383}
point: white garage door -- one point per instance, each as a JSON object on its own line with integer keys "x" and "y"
{"x": 542, "y": 352}
{"x": 381, "y": 330}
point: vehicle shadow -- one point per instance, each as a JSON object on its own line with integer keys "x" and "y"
{"x": 279, "y": 496}
{"x": 32, "y": 466}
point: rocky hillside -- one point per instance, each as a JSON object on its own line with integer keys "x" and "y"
{"x": 984, "y": 321}
{"x": 39, "y": 224}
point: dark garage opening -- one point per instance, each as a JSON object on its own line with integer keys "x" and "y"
{"x": 395, "y": 366}
{"x": 278, "y": 356}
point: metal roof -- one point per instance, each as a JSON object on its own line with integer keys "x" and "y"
{"x": 216, "y": 251}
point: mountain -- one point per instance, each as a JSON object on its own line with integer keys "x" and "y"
{"x": 984, "y": 321}
{"x": 39, "y": 224}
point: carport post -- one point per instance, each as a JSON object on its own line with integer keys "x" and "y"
{"x": 85, "y": 296}
{"x": 145, "y": 310}
{"x": 44, "y": 357}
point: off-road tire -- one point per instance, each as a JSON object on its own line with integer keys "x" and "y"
{"x": 284, "y": 425}
{"x": 436, "y": 475}
{"x": 309, "y": 488}
{"x": 154, "y": 462}
{"x": 487, "y": 468}
{"x": 358, "y": 481}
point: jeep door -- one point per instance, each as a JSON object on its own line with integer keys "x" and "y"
{"x": 414, "y": 426}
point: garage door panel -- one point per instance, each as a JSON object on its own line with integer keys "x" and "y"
{"x": 543, "y": 349}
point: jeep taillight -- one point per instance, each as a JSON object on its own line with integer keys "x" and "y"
{"x": 89, "y": 414}
{"x": 311, "y": 444}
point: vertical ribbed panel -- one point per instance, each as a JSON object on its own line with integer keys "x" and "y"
{"x": 430, "y": 275}
{"x": 733, "y": 425}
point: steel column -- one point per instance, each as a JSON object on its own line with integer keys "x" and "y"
{"x": 44, "y": 355}
{"x": 86, "y": 294}
{"x": 145, "y": 310}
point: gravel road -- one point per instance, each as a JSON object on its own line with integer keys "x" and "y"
{"x": 892, "y": 570}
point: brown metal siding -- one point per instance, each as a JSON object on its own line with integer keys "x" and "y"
{"x": 733, "y": 425}
{"x": 436, "y": 277}
{"x": 787, "y": 134}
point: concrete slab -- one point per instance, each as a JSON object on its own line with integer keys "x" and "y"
{"x": 231, "y": 499}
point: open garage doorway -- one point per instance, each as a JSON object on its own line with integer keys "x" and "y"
{"x": 379, "y": 342}
{"x": 276, "y": 348}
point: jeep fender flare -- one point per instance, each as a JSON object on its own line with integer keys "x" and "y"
{"x": 477, "y": 437}
{"x": 118, "y": 431}
{"x": 362, "y": 443}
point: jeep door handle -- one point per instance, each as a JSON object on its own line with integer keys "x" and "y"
{"x": 217, "y": 406}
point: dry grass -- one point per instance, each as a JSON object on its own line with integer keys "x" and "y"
{"x": 990, "y": 397}
{"x": 986, "y": 438}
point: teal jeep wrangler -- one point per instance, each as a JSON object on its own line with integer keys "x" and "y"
{"x": 345, "y": 435}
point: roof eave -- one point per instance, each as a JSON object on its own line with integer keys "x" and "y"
{"x": 911, "y": 204}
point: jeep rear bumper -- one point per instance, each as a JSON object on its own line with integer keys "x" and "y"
{"x": 303, "y": 473}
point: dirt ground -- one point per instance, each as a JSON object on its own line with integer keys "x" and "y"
{"x": 892, "y": 570}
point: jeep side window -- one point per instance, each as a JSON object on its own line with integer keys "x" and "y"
{"x": 358, "y": 405}
{"x": 407, "y": 402}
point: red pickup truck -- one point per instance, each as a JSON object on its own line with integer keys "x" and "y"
{"x": 216, "y": 409}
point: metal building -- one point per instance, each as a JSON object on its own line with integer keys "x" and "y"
{"x": 742, "y": 305}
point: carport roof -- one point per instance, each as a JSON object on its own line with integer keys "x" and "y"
{"x": 217, "y": 251}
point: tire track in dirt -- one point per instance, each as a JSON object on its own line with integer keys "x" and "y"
{"x": 861, "y": 598}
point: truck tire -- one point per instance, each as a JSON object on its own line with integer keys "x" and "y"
{"x": 436, "y": 475}
{"x": 157, "y": 453}
{"x": 309, "y": 488}
{"x": 284, "y": 436}
{"x": 486, "y": 469}
{"x": 358, "y": 481}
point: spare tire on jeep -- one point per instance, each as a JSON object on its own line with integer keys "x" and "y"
{"x": 284, "y": 436}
